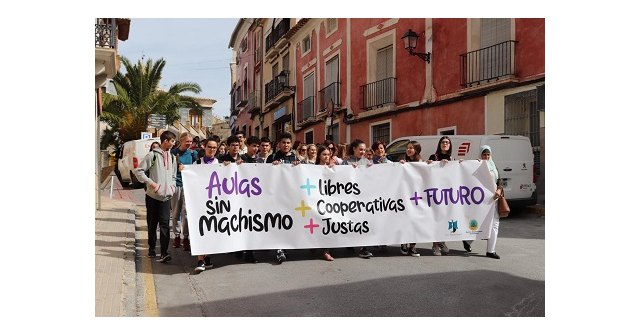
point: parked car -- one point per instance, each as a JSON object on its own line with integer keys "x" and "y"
{"x": 512, "y": 155}
{"x": 128, "y": 158}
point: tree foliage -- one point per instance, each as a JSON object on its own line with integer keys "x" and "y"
{"x": 138, "y": 96}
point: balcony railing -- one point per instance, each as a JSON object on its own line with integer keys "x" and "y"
{"x": 378, "y": 93}
{"x": 306, "y": 110}
{"x": 274, "y": 88}
{"x": 332, "y": 91}
{"x": 278, "y": 31}
{"x": 106, "y": 33}
{"x": 486, "y": 64}
{"x": 253, "y": 101}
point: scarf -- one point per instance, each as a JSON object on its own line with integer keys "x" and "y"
{"x": 492, "y": 166}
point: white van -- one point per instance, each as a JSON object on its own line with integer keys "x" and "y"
{"x": 129, "y": 157}
{"x": 513, "y": 156}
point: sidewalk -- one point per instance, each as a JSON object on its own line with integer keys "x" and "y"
{"x": 115, "y": 258}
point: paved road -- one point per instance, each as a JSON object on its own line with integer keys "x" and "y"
{"x": 389, "y": 284}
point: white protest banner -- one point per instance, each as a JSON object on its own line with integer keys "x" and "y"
{"x": 261, "y": 206}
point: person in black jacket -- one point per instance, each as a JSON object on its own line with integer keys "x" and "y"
{"x": 443, "y": 154}
{"x": 286, "y": 156}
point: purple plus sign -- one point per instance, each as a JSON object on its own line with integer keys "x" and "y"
{"x": 415, "y": 198}
{"x": 311, "y": 226}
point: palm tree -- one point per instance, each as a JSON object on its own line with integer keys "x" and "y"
{"x": 138, "y": 96}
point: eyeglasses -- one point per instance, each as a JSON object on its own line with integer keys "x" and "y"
{"x": 303, "y": 150}
{"x": 445, "y": 142}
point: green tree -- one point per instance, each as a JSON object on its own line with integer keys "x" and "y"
{"x": 138, "y": 96}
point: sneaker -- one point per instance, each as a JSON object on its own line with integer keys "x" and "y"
{"x": 467, "y": 246}
{"x": 207, "y": 262}
{"x": 200, "y": 267}
{"x": 413, "y": 252}
{"x": 364, "y": 253}
{"x": 403, "y": 249}
{"x": 164, "y": 258}
{"x": 176, "y": 242}
{"x": 152, "y": 254}
{"x": 443, "y": 247}
{"x": 327, "y": 256}
{"x": 436, "y": 252}
{"x": 248, "y": 257}
{"x": 280, "y": 257}
{"x": 186, "y": 244}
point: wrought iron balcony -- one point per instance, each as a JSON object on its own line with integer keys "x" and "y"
{"x": 274, "y": 88}
{"x": 106, "y": 33}
{"x": 306, "y": 110}
{"x": 253, "y": 102}
{"x": 378, "y": 93}
{"x": 278, "y": 31}
{"x": 330, "y": 92}
{"x": 491, "y": 63}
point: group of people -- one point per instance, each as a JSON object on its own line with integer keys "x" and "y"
{"x": 160, "y": 171}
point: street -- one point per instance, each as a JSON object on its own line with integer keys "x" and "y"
{"x": 389, "y": 284}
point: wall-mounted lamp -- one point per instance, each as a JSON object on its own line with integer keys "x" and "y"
{"x": 410, "y": 39}
{"x": 283, "y": 81}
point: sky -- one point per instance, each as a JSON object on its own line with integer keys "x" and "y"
{"x": 195, "y": 50}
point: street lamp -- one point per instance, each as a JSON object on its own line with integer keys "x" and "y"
{"x": 282, "y": 81}
{"x": 410, "y": 39}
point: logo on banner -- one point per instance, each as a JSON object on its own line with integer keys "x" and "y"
{"x": 453, "y": 226}
{"x": 473, "y": 225}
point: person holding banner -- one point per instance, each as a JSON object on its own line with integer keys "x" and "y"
{"x": 251, "y": 156}
{"x": 443, "y": 154}
{"x": 379, "y": 154}
{"x": 265, "y": 150}
{"x": 324, "y": 158}
{"x": 412, "y": 155}
{"x": 312, "y": 154}
{"x": 233, "y": 150}
{"x": 161, "y": 166}
{"x": 210, "y": 149}
{"x": 286, "y": 156}
{"x": 185, "y": 156}
{"x": 485, "y": 154}
{"x": 356, "y": 158}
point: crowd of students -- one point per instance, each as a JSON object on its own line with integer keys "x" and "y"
{"x": 165, "y": 200}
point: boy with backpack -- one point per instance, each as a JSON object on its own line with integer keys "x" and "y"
{"x": 161, "y": 185}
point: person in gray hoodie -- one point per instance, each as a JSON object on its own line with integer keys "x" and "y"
{"x": 158, "y": 171}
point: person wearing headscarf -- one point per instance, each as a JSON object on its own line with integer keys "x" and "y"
{"x": 485, "y": 154}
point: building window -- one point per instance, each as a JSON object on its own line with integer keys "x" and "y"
{"x": 447, "y": 131}
{"x": 381, "y": 132}
{"x": 256, "y": 131}
{"x": 308, "y": 137}
{"x": 306, "y": 44}
{"x": 333, "y": 133}
{"x": 522, "y": 117}
{"x": 285, "y": 62}
{"x": 332, "y": 25}
{"x": 258, "y": 46}
{"x": 195, "y": 118}
{"x": 331, "y": 91}
{"x": 243, "y": 44}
